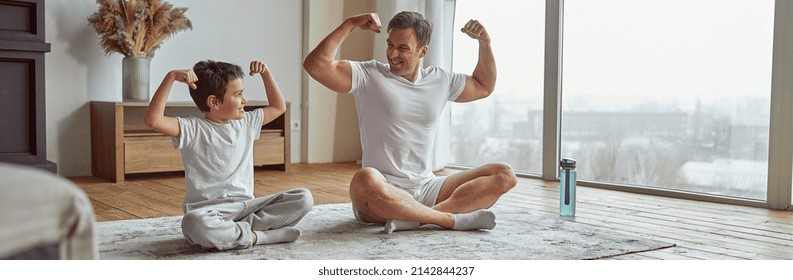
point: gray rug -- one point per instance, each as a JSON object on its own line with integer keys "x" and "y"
{"x": 330, "y": 232}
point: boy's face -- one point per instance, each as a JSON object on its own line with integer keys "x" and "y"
{"x": 232, "y": 107}
{"x": 404, "y": 52}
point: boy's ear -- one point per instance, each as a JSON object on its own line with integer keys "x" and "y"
{"x": 212, "y": 102}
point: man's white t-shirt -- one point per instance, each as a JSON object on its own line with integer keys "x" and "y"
{"x": 398, "y": 118}
{"x": 218, "y": 158}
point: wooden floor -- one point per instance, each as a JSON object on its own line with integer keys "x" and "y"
{"x": 701, "y": 230}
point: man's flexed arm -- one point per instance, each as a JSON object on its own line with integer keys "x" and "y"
{"x": 483, "y": 80}
{"x": 155, "y": 114}
{"x": 320, "y": 64}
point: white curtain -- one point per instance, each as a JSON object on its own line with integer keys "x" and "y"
{"x": 441, "y": 14}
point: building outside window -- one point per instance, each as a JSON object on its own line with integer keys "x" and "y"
{"x": 666, "y": 94}
{"x": 669, "y": 94}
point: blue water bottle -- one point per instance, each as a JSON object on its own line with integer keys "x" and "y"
{"x": 567, "y": 187}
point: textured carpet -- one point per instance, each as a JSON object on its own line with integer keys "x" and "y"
{"x": 330, "y": 232}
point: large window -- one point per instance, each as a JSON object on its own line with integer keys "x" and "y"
{"x": 673, "y": 95}
{"x": 670, "y": 94}
{"x": 507, "y": 126}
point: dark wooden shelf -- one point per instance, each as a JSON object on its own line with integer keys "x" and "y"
{"x": 22, "y": 84}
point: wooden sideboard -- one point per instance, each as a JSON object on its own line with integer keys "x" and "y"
{"x": 122, "y": 144}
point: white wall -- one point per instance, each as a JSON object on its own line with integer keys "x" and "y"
{"x": 330, "y": 119}
{"x": 236, "y": 31}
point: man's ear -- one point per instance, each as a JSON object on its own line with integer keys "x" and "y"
{"x": 423, "y": 51}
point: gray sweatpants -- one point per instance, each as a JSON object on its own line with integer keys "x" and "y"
{"x": 227, "y": 223}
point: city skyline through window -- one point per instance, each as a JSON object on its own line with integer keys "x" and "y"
{"x": 670, "y": 94}
{"x": 666, "y": 94}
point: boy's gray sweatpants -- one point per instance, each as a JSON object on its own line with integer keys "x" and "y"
{"x": 227, "y": 223}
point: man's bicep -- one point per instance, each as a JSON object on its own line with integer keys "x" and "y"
{"x": 336, "y": 77}
{"x": 472, "y": 91}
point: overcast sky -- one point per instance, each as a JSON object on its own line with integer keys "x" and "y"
{"x": 629, "y": 51}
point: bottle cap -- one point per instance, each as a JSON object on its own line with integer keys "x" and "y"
{"x": 567, "y": 163}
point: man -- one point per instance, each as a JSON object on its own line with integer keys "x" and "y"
{"x": 399, "y": 105}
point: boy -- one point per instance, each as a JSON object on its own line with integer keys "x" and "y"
{"x": 217, "y": 151}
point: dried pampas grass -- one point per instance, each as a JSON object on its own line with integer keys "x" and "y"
{"x": 136, "y": 27}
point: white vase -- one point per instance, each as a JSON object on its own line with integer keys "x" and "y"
{"x": 135, "y": 78}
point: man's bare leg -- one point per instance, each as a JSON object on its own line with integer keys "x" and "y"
{"x": 475, "y": 189}
{"x": 379, "y": 202}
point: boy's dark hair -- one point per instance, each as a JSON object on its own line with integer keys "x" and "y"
{"x": 213, "y": 77}
{"x": 407, "y": 19}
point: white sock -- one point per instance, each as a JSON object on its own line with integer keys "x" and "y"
{"x": 479, "y": 219}
{"x": 281, "y": 235}
{"x": 397, "y": 225}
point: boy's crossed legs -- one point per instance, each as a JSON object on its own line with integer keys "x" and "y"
{"x": 241, "y": 224}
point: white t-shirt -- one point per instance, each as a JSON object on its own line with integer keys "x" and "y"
{"x": 218, "y": 158}
{"x": 398, "y": 118}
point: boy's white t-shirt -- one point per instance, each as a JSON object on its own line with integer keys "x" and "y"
{"x": 398, "y": 118}
{"x": 218, "y": 158}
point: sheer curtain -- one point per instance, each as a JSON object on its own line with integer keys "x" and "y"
{"x": 441, "y": 13}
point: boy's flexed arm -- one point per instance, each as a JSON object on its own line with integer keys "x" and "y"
{"x": 155, "y": 115}
{"x": 277, "y": 105}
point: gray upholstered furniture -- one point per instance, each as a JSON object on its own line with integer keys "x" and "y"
{"x": 44, "y": 216}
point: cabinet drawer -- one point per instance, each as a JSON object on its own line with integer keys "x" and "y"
{"x": 269, "y": 149}
{"x": 155, "y": 155}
